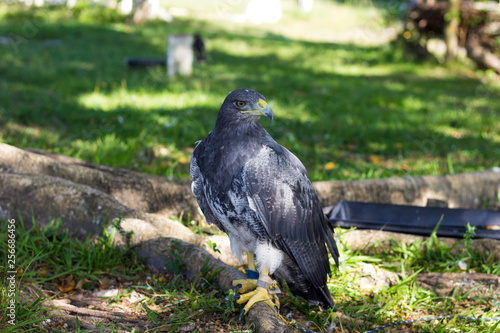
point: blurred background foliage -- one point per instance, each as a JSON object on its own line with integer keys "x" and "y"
{"x": 349, "y": 101}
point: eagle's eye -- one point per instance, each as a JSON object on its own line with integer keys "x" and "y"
{"x": 240, "y": 104}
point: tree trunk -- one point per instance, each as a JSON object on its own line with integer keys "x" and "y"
{"x": 477, "y": 23}
{"x": 145, "y": 193}
{"x": 469, "y": 190}
{"x": 483, "y": 57}
{"x": 451, "y": 30}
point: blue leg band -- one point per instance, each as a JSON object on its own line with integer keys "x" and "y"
{"x": 252, "y": 274}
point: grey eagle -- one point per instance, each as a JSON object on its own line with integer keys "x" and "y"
{"x": 260, "y": 194}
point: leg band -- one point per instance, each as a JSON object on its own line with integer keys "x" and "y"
{"x": 251, "y": 274}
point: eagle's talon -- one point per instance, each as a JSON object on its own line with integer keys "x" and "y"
{"x": 258, "y": 295}
{"x": 237, "y": 287}
{"x": 242, "y": 315}
{"x": 277, "y": 303}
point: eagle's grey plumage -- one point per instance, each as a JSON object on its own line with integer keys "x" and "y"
{"x": 261, "y": 195}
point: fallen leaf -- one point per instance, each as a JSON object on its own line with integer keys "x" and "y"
{"x": 375, "y": 159}
{"x": 79, "y": 284}
{"x": 329, "y": 166}
{"x": 105, "y": 283}
{"x": 65, "y": 288}
{"x": 68, "y": 284}
{"x": 161, "y": 279}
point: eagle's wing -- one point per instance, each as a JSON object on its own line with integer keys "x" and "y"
{"x": 199, "y": 187}
{"x": 280, "y": 191}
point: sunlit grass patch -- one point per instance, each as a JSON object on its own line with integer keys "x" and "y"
{"x": 332, "y": 102}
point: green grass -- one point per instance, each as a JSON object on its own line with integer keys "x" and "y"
{"x": 406, "y": 300}
{"x": 50, "y": 263}
{"x": 62, "y": 255}
{"x": 348, "y": 111}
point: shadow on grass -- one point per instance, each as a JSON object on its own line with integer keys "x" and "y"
{"x": 333, "y": 102}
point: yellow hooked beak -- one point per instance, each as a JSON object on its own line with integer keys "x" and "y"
{"x": 261, "y": 109}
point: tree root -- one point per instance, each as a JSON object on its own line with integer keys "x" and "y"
{"x": 86, "y": 196}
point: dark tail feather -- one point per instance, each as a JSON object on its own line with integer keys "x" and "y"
{"x": 330, "y": 241}
{"x": 315, "y": 296}
{"x": 290, "y": 272}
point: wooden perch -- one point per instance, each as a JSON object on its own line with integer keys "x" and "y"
{"x": 196, "y": 260}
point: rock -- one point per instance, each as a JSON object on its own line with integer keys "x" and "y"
{"x": 369, "y": 277}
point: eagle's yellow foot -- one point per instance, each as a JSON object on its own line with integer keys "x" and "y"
{"x": 260, "y": 294}
{"x": 263, "y": 290}
{"x": 244, "y": 285}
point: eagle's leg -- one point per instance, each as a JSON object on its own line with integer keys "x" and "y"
{"x": 251, "y": 260}
{"x": 261, "y": 293}
{"x": 250, "y": 283}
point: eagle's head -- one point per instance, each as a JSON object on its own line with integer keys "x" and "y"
{"x": 245, "y": 105}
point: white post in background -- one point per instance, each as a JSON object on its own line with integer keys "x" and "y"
{"x": 70, "y": 4}
{"x": 306, "y": 5}
{"x": 180, "y": 55}
{"x": 263, "y": 11}
{"x": 36, "y": 3}
{"x": 126, "y": 6}
{"x": 154, "y": 7}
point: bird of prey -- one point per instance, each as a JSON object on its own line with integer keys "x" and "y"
{"x": 260, "y": 194}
